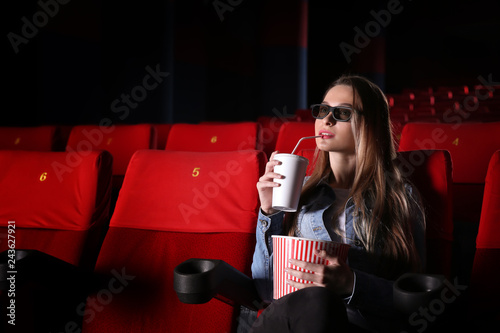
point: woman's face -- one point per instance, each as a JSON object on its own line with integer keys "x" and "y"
{"x": 336, "y": 136}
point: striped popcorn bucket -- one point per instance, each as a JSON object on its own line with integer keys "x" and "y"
{"x": 285, "y": 248}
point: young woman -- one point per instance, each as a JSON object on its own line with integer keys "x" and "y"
{"x": 355, "y": 195}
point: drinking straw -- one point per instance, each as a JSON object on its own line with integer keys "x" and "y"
{"x": 306, "y": 137}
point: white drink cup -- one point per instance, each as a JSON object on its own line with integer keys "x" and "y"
{"x": 293, "y": 168}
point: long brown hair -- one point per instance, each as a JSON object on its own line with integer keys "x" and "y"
{"x": 384, "y": 209}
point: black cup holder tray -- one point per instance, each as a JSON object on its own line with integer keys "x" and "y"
{"x": 412, "y": 291}
{"x": 197, "y": 281}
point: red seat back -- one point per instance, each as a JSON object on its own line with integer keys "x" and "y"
{"x": 210, "y": 137}
{"x": 290, "y": 133}
{"x": 430, "y": 172}
{"x": 485, "y": 290}
{"x": 471, "y": 146}
{"x": 42, "y": 138}
{"x": 305, "y": 115}
{"x": 174, "y": 206}
{"x": 122, "y": 141}
{"x": 270, "y": 129}
{"x": 310, "y": 155}
{"x": 60, "y": 206}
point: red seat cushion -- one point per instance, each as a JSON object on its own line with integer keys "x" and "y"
{"x": 147, "y": 301}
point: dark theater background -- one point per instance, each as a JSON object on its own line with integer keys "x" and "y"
{"x": 230, "y": 62}
{"x": 201, "y": 93}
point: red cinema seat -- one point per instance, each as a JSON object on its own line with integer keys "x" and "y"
{"x": 484, "y": 287}
{"x": 305, "y": 115}
{"x": 291, "y": 133}
{"x": 210, "y": 137}
{"x": 310, "y": 154}
{"x": 42, "y": 138}
{"x": 59, "y": 203}
{"x": 430, "y": 171}
{"x": 174, "y": 206}
{"x": 270, "y": 129}
{"x": 471, "y": 146}
{"x": 122, "y": 141}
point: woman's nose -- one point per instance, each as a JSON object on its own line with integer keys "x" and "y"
{"x": 329, "y": 120}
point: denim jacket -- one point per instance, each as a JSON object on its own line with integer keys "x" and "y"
{"x": 371, "y": 294}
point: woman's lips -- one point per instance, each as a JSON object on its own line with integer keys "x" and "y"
{"x": 326, "y": 134}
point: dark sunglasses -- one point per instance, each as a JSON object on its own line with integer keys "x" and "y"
{"x": 340, "y": 113}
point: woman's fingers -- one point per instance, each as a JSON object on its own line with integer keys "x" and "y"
{"x": 270, "y": 176}
{"x": 337, "y": 275}
{"x": 299, "y": 285}
{"x": 271, "y": 164}
{"x": 301, "y": 275}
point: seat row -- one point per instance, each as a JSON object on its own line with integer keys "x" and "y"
{"x": 479, "y": 103}
{"x": 173, "y": 206}
{"x": 470, "y": 144}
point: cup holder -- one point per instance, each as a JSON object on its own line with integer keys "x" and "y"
{"x": 412, "y": 291}
{"x": 194, "y": 267}
{"x": 197, "y": 281}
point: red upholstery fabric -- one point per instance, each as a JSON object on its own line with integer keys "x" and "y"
{"x": 149, "y": 236}
{"x": 42, "y": 138}
{"x": 59, "y": 202}
{"x": 211, "y": 137}
{"x": 430, "y": 171}
{"x": 489, "y": 227}
{"x": 149, "y": 303}
{"x": 122, "y": 141}
{"x": 195, "y": 192}
{"x": 305, "y": 115}
{"x": 270, "y": 129}
{"x": 162, "y": 131}
{"x": 471, "y": 146}
{"x": 485, "y": 290}
{"x": 290, "y": 133}
{"x": 309, "y": 154}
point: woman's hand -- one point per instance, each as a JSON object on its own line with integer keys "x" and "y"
{"x": 266, "y": 183}
{"x": 336, "y": 276}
